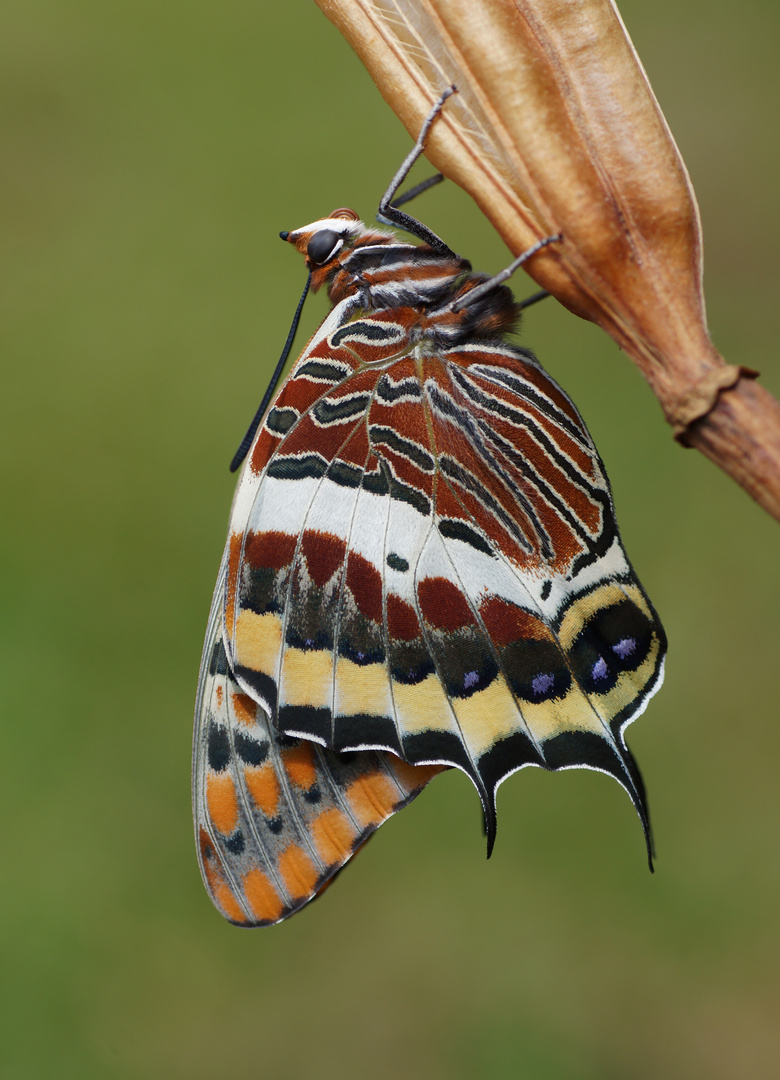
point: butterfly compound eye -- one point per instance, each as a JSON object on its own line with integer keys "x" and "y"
{"x": 322, "y": 246}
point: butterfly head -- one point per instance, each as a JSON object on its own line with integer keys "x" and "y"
{"x": 324, "y": 244}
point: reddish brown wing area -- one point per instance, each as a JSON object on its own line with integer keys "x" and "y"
{"x": 517, "y": 458}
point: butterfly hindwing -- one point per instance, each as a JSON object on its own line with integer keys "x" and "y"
{"x": 277, "y": 817}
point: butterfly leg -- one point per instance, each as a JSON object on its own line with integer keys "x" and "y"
{"x": 418, "y": 189}
{"x": 390, "y": 214}
{"x": 534, "y": 298}
{"x": 473, "y": 295}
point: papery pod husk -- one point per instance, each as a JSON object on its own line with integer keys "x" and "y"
{"x": 555, "y": 129}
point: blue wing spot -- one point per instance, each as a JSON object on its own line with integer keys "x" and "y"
{"x": 625, "y": 648}
{"x": 542, "y": 684}
{"x": 600, "y": 670}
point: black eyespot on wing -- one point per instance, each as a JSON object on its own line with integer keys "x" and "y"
{"x": 536, "y": 670}
{"x": 322, "y": 246}
{"x": 617, "y": 638}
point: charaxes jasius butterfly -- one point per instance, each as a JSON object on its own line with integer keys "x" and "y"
{"x": 423, "y": 571}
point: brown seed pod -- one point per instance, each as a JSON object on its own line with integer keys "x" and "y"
{"x": 555, "y": 129}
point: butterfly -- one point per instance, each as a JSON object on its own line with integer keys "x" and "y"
{"x": 423, "y": 571}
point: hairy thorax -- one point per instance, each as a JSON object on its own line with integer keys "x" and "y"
{"x": 383, "y": 274}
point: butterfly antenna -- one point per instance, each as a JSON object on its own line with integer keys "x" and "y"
{"x": 246, "y": 442}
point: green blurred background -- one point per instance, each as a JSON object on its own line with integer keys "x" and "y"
{"x": 151, "y": 153}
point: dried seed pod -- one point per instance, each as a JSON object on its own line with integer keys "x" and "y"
{"x": 555, "y": 129}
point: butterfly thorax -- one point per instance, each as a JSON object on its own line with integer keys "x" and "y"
{"x": 383, "y": 273}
